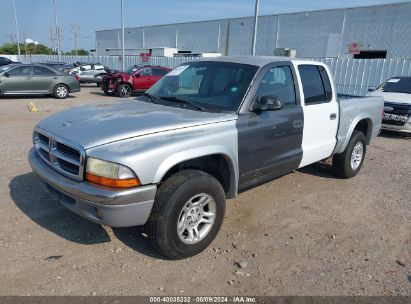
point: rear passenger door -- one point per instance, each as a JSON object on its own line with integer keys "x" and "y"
{"x": 321, "y": 113}
{"x": 269, "y": 142}
{"x": 43, "y": 79}
{"x": 157, "y": 74}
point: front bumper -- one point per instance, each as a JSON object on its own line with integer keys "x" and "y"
{"x": 406, "y": 128}
{"x": 102, "y": 205}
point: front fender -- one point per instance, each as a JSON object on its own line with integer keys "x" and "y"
{"x": 185, "y": 155}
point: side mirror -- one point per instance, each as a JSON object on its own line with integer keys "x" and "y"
{"x": 7, "y": 75}
{"x": 137, "y": 74}
{"x": 371, "y": 89}
{"x": 267, "y": 103}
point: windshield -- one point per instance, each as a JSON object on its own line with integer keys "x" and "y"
{"x": 397, "y": 85}
{"x": 216, "y": 86}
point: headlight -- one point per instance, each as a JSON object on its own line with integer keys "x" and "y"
{"x": 110, "y": 174}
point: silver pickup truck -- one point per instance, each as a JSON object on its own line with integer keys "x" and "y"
{"x": 205, "y": 132}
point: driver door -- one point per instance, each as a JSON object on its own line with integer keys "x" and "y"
{"x": 17, "y": 81}
{"x": 269, "y": 142}
{"x": 142, "y": 79}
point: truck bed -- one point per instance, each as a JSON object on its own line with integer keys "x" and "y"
{"x": 354, "y": 109}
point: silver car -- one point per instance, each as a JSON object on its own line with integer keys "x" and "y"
{"x": 397, "y": 103}
{"x": 36, "y": 79}
{"x": 91, "y": 73}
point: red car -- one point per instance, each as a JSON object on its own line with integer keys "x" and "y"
{"x": 135, "y": 79}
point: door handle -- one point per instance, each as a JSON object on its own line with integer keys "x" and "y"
{"x": 297, "y": 124}
{"x": 333, "y": 116}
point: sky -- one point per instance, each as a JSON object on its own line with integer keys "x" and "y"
{"x": 36, "y": 17}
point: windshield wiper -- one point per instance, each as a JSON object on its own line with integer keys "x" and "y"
{"x": 172, "y": 98}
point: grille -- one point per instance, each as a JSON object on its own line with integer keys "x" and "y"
{"x": 64, "y": 158}
{"x": 397, "y": 109}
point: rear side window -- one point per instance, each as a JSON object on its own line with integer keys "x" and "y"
{"x": 146, "y": 72}
{"x": 20, "y": 71}
{"x": 159, "y": 72}
{"x": 42, "y": 71}
{"x": 316, "y": 84}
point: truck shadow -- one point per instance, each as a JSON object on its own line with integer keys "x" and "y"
{"x": 132, "y": 237}
{"x": 32, "y": 200}
{"x": 320, "y": 169}
{"x": 394, "y": 135}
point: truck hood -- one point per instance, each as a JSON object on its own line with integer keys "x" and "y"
{"x": 402, "y": 98}
{"x": 100, "y": 124}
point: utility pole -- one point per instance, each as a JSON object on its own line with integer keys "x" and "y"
{"x": 76, "y": 31}
{"x": 122, "y": 36}
{"x": 255, "y": 27}
{"x": 17, "y": 29}
{"x": 52, "y": 38}
{"x": 57, "y": 30}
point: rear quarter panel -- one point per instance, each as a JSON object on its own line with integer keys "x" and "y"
{"x": 352, "y": 111}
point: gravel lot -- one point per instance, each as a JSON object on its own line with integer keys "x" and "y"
{"x": 307, "y": 233}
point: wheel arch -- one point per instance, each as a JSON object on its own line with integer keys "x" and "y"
{"x": 217, "y": 161}
{"x": 62, "y": 83}
{"x": 363, "y": 124}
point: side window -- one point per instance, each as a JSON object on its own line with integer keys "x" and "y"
{"x": 146, "y": 72}
{"x": 42, "y": 71}
{"x": 326, "y": 83}
{"x": 278, "y": 81}
{"x": 159, "y": 72}
{"x": 316, "y": 84}
{"x": 20, "y": 71}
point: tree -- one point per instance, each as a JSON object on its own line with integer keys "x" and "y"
{"x": 30, "y": 48}
{"x": 80, "y": 52}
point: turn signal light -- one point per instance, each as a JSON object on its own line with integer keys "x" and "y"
{"x": 110, "y": 182}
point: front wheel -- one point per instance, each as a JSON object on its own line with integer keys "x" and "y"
{"x": 60, "y": 91}
{"x": 124, "y": 90}
{"x": 187, "y": 214}
{"x": 348, "y": 163}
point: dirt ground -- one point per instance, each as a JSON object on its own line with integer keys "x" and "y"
{"x": 307, "y": 233}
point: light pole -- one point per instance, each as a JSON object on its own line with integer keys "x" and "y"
{"x": 122, "y": 36}
{"x": 255, "y": 27}
{"x": 57, "y": 31}
{"x": 17, "y": 30}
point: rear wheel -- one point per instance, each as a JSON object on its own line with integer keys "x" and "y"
{"x": 187, "y": 214}
{"x": 60, "y": 91}
{"x": 124, "y": 90}
{"x": 348, "y": 163}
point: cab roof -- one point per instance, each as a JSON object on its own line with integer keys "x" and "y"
{"x": 256, "y": 60}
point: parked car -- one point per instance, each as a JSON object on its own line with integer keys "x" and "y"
{"x": 135, "y": 79}
{"x": 61, "y": 66}
{"x": 90, "y": 72}
{"x": 6, "y": 61}
{"x": 203, "y": 133}
{"x": 396, "y": 92}
{"x": 36, "y": 79}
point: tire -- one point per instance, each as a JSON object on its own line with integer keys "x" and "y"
{"x": 107, "y": 92}
{"x": 124, "y": 90}
{"x": 171, "y": 207}
{"x": 346, "y": 164}
{"x": 60, "y": 91}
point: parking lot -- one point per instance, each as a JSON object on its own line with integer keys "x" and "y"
{"x": 307, "y": 233}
